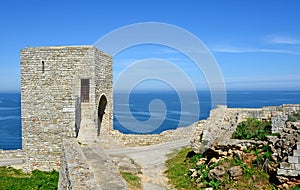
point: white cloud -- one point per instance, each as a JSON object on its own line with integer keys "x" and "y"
{"x": 276, "y": 39}
{"x": 230, "y": 49}
{"x": 288, "y": 45}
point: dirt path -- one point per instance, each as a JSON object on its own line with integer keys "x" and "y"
{"x": 151, "y": 158}
{"x": 152, "y": 161}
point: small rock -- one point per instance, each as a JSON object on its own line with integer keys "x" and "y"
{"x": 274, "y": 157}
{"x": 248, "y": 144}
{"x": 284, "y": 159}
{"x": 282, "y": 179}
{"x": 285, "y": 186}
{"x": 224, "y": 153}
{"x": 201, "y": 161}
{"x": 216, "y": 173}
{"x": 272, "y": 148}
{"x": 198, "y": 181}
{"x": 235, "y": 172}
{"x": 194, "y": 174}
{"x": 243, "y": 148}
{"x": 213, "y": 160}
{"x": 201, "y": 185}
{"x": 238, "y": 154}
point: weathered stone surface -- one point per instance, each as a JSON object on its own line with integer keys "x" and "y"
{"x": 11, "y": 161}
{"x": 293, "y": 159}
{"x": 8, "y": 154}
{"x": 296, "y": 153}
{"x": 235, "y": 172}
{"x": 278, "y": 122}
{"x": 217, "y": 172}
{"x": 286, "y": 165}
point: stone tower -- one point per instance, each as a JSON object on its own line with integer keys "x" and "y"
{"x": 61, "y": 88}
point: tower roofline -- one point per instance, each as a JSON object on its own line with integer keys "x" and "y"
{"x": 60, "y": 47}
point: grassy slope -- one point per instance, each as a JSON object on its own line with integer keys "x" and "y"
{"x": 14, "y": 179}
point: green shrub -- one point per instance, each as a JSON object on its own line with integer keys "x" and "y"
{"x": 252, "y": 128}
{"x": 214, "y": 184}
{"x": 294, "y": 117}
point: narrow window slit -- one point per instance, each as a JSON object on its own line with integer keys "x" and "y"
{"x": 43, "y": 66}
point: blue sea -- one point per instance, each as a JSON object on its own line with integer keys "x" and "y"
{"x": 10, "y": 110}
{"x": 10, "y": 121}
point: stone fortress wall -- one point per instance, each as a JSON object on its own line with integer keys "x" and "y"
{"x": 133, "y": 140}
{"x": 51, "y": 80}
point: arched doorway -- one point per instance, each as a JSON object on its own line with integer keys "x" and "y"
{"x": 101, "y": 111}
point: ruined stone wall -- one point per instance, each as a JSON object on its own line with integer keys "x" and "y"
{"x": 287, "y": 148}
{"x": 223, "y": 121}
{"x": 50, "y": 83}
{"x": 133, "y": 140}
{"x": 74, "y": 171}
{"x": 219, "y": 127}
{"x": 292, "y": 166}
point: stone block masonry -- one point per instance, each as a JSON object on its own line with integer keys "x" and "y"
{"x": 51, "y": 82}
{"x": 292, "y": 166}
{"x": 11, "y": 157}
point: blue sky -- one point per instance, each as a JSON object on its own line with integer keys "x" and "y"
{"x": 256, "y": 43}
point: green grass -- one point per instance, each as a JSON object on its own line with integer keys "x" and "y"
{"x": 294, "y": 117}
{"x": 296, "y": 188}
{"x": 253, "y": 128}
{"x": 13, "y": 179}
{"x": 133, "y": 181}
{"x": 178, "y": 169}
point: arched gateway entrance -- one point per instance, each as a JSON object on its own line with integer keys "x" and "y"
{"x": 101, "y": 111}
